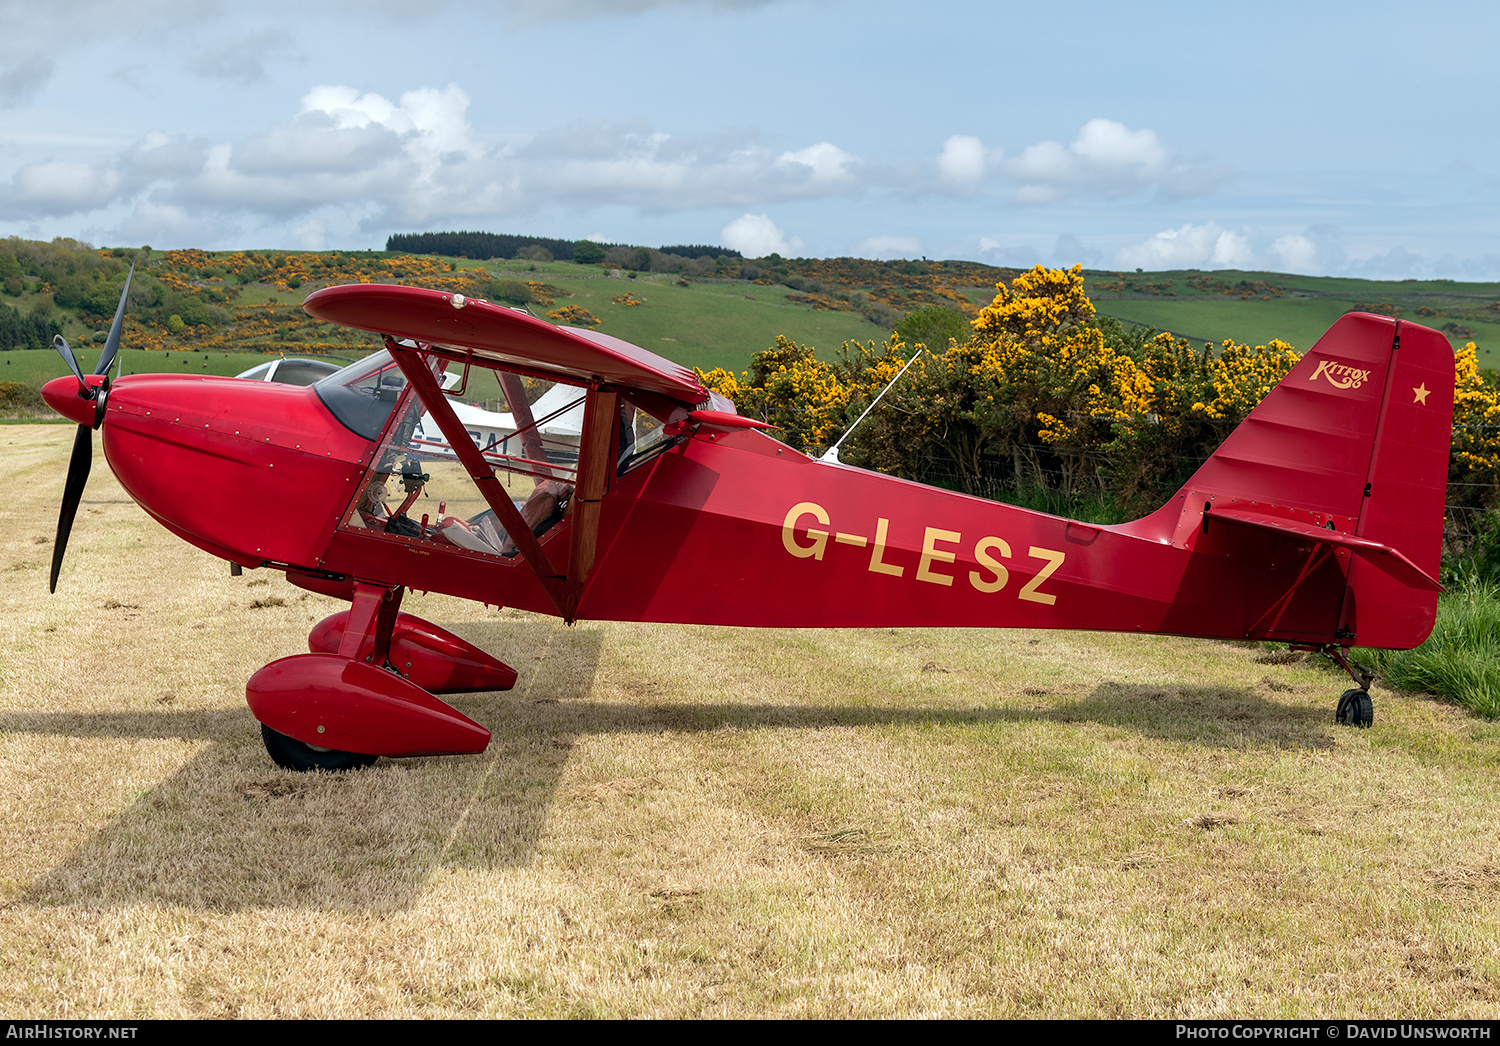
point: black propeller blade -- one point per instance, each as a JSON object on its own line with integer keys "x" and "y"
{"x": 78, "y": 475}
{"x": 112, "y": 345}
{"x": 83, "y": 443}
{"x": 61, "y": 345}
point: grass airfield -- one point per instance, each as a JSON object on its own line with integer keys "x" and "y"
{"x": 683, "y": 821}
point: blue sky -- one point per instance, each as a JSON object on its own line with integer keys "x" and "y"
{"x": 1325, "y": 139}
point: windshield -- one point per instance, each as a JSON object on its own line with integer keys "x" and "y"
{"x": 363, "y": 394}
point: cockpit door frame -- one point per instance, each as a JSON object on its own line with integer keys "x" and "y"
{"x": 601, "y": 410}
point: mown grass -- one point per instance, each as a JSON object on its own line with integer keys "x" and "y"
{"x": 708, "y": 822}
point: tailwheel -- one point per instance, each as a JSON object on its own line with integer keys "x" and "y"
{"x": 291, "y": 754}
{"x": 1355, "y": 708}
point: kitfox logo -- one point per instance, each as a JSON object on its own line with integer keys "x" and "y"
{"x": 1339, "y": 375}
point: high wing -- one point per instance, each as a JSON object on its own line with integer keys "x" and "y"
{"x": 499, "y": 336}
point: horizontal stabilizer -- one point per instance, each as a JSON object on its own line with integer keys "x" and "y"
{"x": 1385, "y": 557}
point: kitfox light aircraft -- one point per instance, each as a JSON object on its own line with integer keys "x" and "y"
{"x": 1318, "y": 522}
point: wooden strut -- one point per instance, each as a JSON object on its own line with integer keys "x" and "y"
{"x": 520, "y": 412}
{"x": 599, "y": 414}
{"x": 422, "y": 381}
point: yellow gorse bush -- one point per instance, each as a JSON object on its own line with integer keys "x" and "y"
{"x": 1045, "y": 393}
{"x": 573, "y": 316}
{"x": 1476, "y": 432}
{"x": 1037, "y": 303}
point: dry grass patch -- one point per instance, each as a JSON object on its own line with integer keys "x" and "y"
{"x": 677, "y": 821}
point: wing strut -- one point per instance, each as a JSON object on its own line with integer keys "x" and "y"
{"x": 412, "y": 365}
{"x": 594, "y": 467}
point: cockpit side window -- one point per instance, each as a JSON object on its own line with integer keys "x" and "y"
{"x": 528, "y": 429}
{"x": 416, "y": 489}
{"x": 642, "y": 436}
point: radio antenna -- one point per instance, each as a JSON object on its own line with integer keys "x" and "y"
{"x": 832, "y": 453}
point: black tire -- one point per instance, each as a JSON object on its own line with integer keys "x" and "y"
{"x": 291, "y": 754}
{"x": 1355, "y": 708}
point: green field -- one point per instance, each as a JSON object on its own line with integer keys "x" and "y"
{"x": 39, "y": 365}
{"x": 704, "y": 324}
{"x": 1254, "y": 307}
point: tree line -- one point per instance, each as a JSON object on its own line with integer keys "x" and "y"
{"x": 32, "y": 330}
{"x": 482, "y": 246}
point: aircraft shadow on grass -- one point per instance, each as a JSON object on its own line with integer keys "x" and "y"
{"x": 228, "y": 833}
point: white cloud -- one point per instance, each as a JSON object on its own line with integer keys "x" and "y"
{"x": 1206, "y": 246}
{"x": 353, "y": 160}
{"x": 826, "y": 164}
{"x": 311, "y": 235}
{"x": 417, "y": 160}
{"x": 1111, "y": 160}
{"x": 55, "y": 188}
{"x": 313, "y": 144}
{"x": 160, "y": 155}
{"x": 152, "y": 221}
{"x": 887, "y": 246}
{"x": 756, "y": 235}
{"x": 1297, "y": 253}
{"x": 431, "y": 123}
{"x": 1044, "y": 162}
{"x": 1107, "y": 145}
{"x": 629, "y": 163}
{"x": 963, "y": 162}
{"x": 1316, "y": 249}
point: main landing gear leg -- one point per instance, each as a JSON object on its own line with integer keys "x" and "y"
{"x": 367, "y": 638}
{"x": 1355, "y": 707}
{"x": 365, "y": 689}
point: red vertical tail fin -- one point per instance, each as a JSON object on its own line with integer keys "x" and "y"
{"x": 1336, "y": 483}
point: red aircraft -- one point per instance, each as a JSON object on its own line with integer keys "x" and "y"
{"x": 1317, "y": 523}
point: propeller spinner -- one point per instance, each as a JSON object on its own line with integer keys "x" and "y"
{"x": 87, "y": 408}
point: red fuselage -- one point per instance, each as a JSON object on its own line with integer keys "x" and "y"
{"x": 727, "y": 527}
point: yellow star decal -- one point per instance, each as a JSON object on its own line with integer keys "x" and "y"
{"x": 1421, "y": 394}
